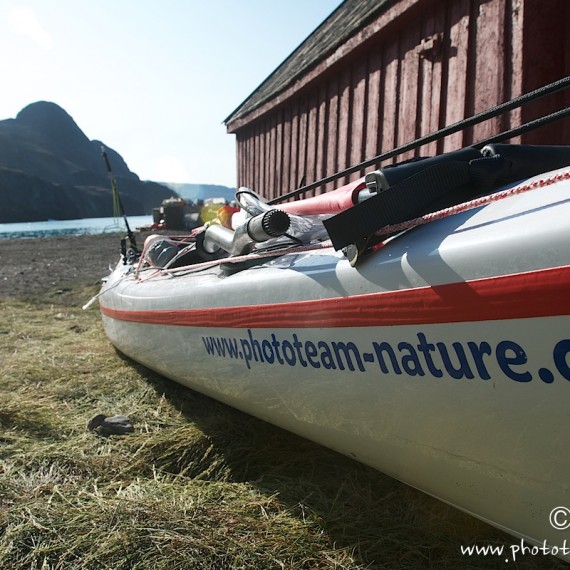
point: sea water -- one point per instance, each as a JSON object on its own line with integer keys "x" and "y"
{"x": 53, "y": 228}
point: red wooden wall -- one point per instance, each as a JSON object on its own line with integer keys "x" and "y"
{"x": 421, "y": 65}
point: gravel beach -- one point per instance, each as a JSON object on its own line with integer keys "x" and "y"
{"x": 31, "y": 267}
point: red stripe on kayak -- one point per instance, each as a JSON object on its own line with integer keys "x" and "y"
{"x": 540, "y": 293}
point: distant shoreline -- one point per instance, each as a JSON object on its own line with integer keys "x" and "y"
{"x": 63, "y": 228}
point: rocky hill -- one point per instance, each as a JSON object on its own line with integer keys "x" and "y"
{"x": 49, "y": 169}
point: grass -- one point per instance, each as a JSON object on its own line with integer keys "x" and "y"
{"x": 198, "y": 485}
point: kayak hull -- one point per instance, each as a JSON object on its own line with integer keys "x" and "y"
{"x": 443, "y": 359}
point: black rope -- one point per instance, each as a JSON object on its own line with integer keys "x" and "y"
{"x": 522, "y": 129}
{"x": 455, "y": 127}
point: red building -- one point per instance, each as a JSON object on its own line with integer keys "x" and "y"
{"x": 380, "y": 73}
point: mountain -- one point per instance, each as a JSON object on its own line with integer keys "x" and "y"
{"x": 196, "y": 192}
{"x": 49, "y": 169}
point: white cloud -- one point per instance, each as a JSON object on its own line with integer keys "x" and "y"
{"x": 25, "y": 22}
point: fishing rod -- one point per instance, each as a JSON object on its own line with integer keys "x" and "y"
{"x": 117, "y": 202}
{"x": 495, "y": 111}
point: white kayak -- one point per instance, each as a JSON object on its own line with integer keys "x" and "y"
{"x": 442, "y": 359}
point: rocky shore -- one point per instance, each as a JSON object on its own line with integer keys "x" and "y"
{"x": 31, "y": 267}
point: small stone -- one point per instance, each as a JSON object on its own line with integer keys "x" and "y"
{"x": 114, "y": 425}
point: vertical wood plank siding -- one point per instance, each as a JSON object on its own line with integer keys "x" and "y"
{"x": 444, "y": 61}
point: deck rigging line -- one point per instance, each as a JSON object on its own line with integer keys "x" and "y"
{"x": 147, "y": 273}
{"x": 144, "y": 274}
{"x": 455, "y": 127}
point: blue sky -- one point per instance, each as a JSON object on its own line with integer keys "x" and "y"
{"x": 152, "y": 79}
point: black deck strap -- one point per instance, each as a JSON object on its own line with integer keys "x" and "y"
{"x": 413, "y": 188}
{"x": 410, "y": 197}
{"x": 396, "y": 204}
{"x": 525, "y": 161}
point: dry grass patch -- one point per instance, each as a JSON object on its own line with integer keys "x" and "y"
{"x": 198, "y": 485}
